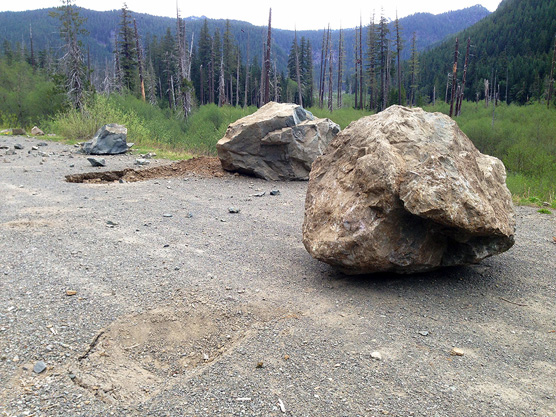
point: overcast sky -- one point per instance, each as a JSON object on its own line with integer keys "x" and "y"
{"x": 286, "y": 14}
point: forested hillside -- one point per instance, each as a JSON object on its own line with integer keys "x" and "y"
{"x": 512, "y": 49}
{"x": 102, "y": 26}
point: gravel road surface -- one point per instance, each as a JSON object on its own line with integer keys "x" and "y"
{"x": 152, "y": 298}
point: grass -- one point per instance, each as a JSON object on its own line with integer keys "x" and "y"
{"x": 544, "y": 211}
{"x": 343, "y": 116}
{"x": 151, "y": 128}
{"x": 523, "y": 137}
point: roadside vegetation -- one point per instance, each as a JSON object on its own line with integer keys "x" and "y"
{"x": 523, "y": 137}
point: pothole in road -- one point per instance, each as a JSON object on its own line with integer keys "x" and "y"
{"x": 203, "y": 166}
{"x": 132, "y": 359}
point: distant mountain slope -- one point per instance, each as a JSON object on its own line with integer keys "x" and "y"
{"x": 14, "y": 28}
{"x": 513, "y": 44}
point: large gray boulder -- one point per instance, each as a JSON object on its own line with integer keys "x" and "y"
{"x": 278, "y": 142}
{"x": 110, "y": 139}
{"x": 406, "y": 191}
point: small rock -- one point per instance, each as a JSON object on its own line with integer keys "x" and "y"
{"x": 142, "y": 161}
{"x": 424, "y": 332}
{"x": 233, "y": 210}
{"x": 72, "y": 165}
{"x": 15, "y": 359}
{"x": 167, "y": 215}
{"x": 69, "y": 293}
{"x": 189, "y": 215}
{"x": 39, "y": 367}
{"x": 18, "y": 132}
{"x": 97, "y": 162}
{"x": 111, "y": 223}
{"x": 275, "y": 192}
{"x": 34, "y": 148}
{"x": 456, "y": 352}
{"x": 259, "y": 194}
{"x": 376, "y": 356}
{"x": 260, "y": 365}
{"x": 18, "y": 146}
{"x": 36, "y": 131}
{"x": 10, "y": 152}
{"x": 42, "y": 144}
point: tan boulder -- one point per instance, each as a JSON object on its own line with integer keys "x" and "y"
{"x": 36, "y": 131}
{"x": 406, "y": 191}
{"x": 280, "y": 141}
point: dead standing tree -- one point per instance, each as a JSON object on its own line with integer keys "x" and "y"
{"x": 340, "y": 64}
{"x": 551, "y": 79}
{"x": 72, "y": 62}
{"x": 139, "y": 60}
{"x": 398, "y": 57}
{"x": 460, "y": 95}
{"x": 360, "y": 62}
{"x": 330, "y": 79}
{"x": 266, "y": 97}
{"x": 321, "y": 74}
{"x": 454, "y": 78}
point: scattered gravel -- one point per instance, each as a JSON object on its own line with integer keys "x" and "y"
{"x": 173, "y": 315}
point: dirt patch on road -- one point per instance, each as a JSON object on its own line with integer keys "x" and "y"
{"x": 136, "y": 356}
{"x": 203, "y": 166}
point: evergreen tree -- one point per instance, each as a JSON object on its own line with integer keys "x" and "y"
{"x": 127, "y": 51}
{"x": 72, "y": 61}
{"x": 306, "y": 66}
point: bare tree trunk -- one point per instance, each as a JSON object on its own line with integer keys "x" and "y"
{"x": 202, "y": 92}
{"x": 551, "y": 79}
{"x": 246, "y": 72}
{"x": 322, "y": 67}
{"x": 263, "y": 78}
{"x": 170, "y": 82}
{"x": 487, "y": 92}
{"x": 276, "y": 85}
{"x": 507, "y": 72}
{"x": 454, "y": 78}
{"x": 88, "y": 64}
{"x": 237, "y": 81}
{"x": 360, "y": 63}
{"x": 399, "y": 52}
{"x": 330, "y": 79}
{"x": 140, "y": 61}
{"x": 221, "y": 86}
{"x": 267, "y": 60}
{"x": 211, "y": 73}
{"x": 357, "y": 63}
{"x": 447, "y": 87}
{"x": 434, "y": 95}
{"x": 32, "y": 58}
{"x": 340, "y": 53}
{"x": 231, "y": 97}
{"x": 460, "y": 96}
{"x": 172, "y": 93}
